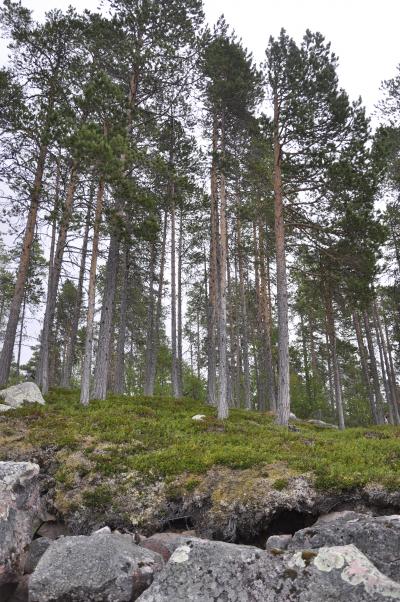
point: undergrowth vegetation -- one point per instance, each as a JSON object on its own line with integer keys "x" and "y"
{"x": 157, "y": 437}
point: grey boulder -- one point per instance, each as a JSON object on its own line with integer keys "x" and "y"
{"x": 20, "y": 509}
{"x": 278, "y": 542}
{"x": 17, "y": 395}
{"x": 103, "y": 567}
{"x": 378, "y": 537}
{"x": 166, "y": 543}
{"x": 35, "y": 552}
{"x": 209, "y": 571}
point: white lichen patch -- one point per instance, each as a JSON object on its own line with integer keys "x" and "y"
{"x": 181, "y": 554}
{"x": 329, "y": 559}
{"x": 358, "y": 570}
{"x": 297, "y": 561}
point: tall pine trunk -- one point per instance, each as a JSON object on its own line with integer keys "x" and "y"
{"x": 386, "y": 373}
{"x": 21, "y": 334}
{"x": 265, "y": 320}
{"x": 174, "y": 367}
{"x": 212, "y": 294}
{"x": 335, "y": 363}
{"x": 153, "y": 356}
{"x": 119, "y": 379}
{"x": 103, "y": 349}
{"x": 364, "y": 367}
{"x": 71, "y": 342}
{"x": 374, "y": 369}
{"x": 283, "y": 400}
{"x": 222, "y": 399}
{"x": 179, "y": 300}
{"x": 389, "y": 351}
{"x": 243, "y": 316}
{"x": 259, "y": 335}
{"x": 16, "y": 302}
{"x": 329, "y": 369}
{"x": 150, "y": 334}
{"x": 87, "y": 358}
{"x": 43, "y": 376}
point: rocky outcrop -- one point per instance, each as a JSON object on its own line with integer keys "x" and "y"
{"x": 378, "y": 537}
{"x": 210, "y": 571}
{"x": 166, "y": 543}
{"x": 35, "y": 552}
{"x": 20, "y": 513}
{"x": 17, "y": 395}
{"x": 96, "y": 568}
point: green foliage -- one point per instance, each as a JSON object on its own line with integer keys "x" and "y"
{"x": 280, "y": 484}
{"x": 157, "y": 437}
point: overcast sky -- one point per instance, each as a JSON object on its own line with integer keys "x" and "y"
{"x": 364, "y": 33}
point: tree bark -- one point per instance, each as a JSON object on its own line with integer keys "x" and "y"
{"x": 103, "y": 349}
{"x": 21, "y": 334}
{"x": 305, "y": 357}
{"x": 374, "y": 369}
{"x": 16, "y": 302}
{"x": 283, "y": 400}
{"x": 174, "y": 367}
{"x": 364, "y": 367}
{"x": 179, "y": 329}
{"x": 150, "y": 334}
{"x": 87, "y": 359}
{"x": 43, "y": 377}
{"x": 335, "y": 362}
{"x": 265, "y": 302}
{"x": 260, "y": 339}
{"x": 244, "y": 320}
{"x": 222, "y": 399}
{"x": 119, "y": 380}
{"x": 212, "y": 294}
{"x": 391, "y": 392}
{"x": 157, "y": 320}
{"x": 71, "y": 342}
{"x": 329, "y": 367}
{"x": 389, "y": 351}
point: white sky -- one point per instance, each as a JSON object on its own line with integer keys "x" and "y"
{"x": 364, "y": 33}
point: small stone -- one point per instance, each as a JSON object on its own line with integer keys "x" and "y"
{"x": 105, "y": 529}
{"x": 17, "y": 395}
{"x": 198, "y": 417}
{"x": 278, "y": 542}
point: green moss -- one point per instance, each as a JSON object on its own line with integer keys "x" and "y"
{"x": 97, "y": 498}
{"x": 308, "y": 556}
{"x": 280, "y": 484}
{"x": 157, "y": 437}
{"x": 191, "y": 484}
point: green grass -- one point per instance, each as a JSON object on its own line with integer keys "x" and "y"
{"x": 157, "y": 437}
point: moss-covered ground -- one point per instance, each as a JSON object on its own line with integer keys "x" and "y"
{"x": 156, "y": 436}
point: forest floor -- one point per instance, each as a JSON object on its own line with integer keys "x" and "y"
{"x": 145, "y": 450}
